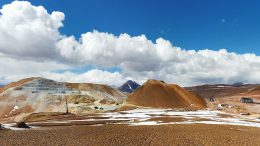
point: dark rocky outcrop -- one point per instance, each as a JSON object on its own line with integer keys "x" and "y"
{"x": 22, "y": 125}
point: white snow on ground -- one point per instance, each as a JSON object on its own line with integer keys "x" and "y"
{"x": 221, "y": 86}
{"x": 237, "y": 123}
{"x": 146, "y": 110}
{"x": 128, "y": 115}
{"x": 11, "y": 126}
{"x": 93, "y": 119}
{"x": 204, "y": 116}
{"x": 137, "y": 117}
{"x": 14, "y": 109}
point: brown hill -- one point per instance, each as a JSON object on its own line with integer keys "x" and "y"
{"x": 230, "y": 95}
{"x": 158, "y": 94}
{"x": 44, "y": 95}
{"x": 225, "y": 90}
{"x": 15, "y": 84}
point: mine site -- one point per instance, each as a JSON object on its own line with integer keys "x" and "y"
{"x": 36, "y": 107}
{"x": 129, "y": 73}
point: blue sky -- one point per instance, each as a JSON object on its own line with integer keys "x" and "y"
{"x": 230, "y": 24}
{"x": 157, "y": 41}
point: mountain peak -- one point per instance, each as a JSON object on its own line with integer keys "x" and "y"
{"x": 129, "y": 86}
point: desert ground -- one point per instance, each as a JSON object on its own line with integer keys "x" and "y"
{"x": 46, "y": 112}
{"x": 135, "y": 127}
{"x": 115, "y": 135}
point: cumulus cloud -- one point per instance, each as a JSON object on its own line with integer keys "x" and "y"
{"x": 91, "y": 76}
{"x": 106, "y": 50}
{"x": 13, "y": 69}
{"x": 140, "y": 58}
{"x": 27, "y": 31}
{"x": 31, "y": 44}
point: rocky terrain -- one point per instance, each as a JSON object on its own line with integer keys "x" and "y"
{"x": 38, "y": 111}
{"x": 227, "y": 97}
{"x": 43, "y": 95}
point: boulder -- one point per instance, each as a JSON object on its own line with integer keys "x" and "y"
{"x": 22, "y": 125}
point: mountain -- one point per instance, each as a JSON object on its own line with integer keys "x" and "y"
{"x": 230, "y": 95}
{"x": 129, "y": 86}
{"x": 158, "y": 94}
{"x": 238, "y": 84}
{"x": 225, "y": 90}
{"x": 44, "y": 95}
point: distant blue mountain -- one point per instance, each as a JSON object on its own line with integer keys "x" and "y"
{"x": 1, "y": 85}
{"x": 129, "y": 86}
{"x": 238, "y": 84}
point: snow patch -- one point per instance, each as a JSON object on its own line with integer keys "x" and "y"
{"x": 14, "y": 109}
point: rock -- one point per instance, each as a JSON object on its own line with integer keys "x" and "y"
{"x": 22, "y": 125}
{"x": 245, "y": 114}
{"x": 2, "y": 127}
{"x": 223, "y": 105}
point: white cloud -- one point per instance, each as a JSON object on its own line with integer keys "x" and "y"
{"x": 27, "y": 31}
{"x": 91, "y": 76}
{"x": 31, "y": 45}
{"x": 107, "y": 50}
{"x": 12, "y": 69}
{"x": 141, "y": 59}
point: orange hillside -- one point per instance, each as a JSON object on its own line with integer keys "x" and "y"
{"x": 158, "y": 94}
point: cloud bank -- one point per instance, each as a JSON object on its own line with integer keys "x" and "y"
{"x": 32, "y": 45}
{"x": 28, "y": 31}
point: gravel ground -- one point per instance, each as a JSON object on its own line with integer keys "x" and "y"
{"x": 118, "y": 135}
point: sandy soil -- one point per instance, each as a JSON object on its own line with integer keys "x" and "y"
{"x": 155, "y": 93}
{"x": 134, "y": 135}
